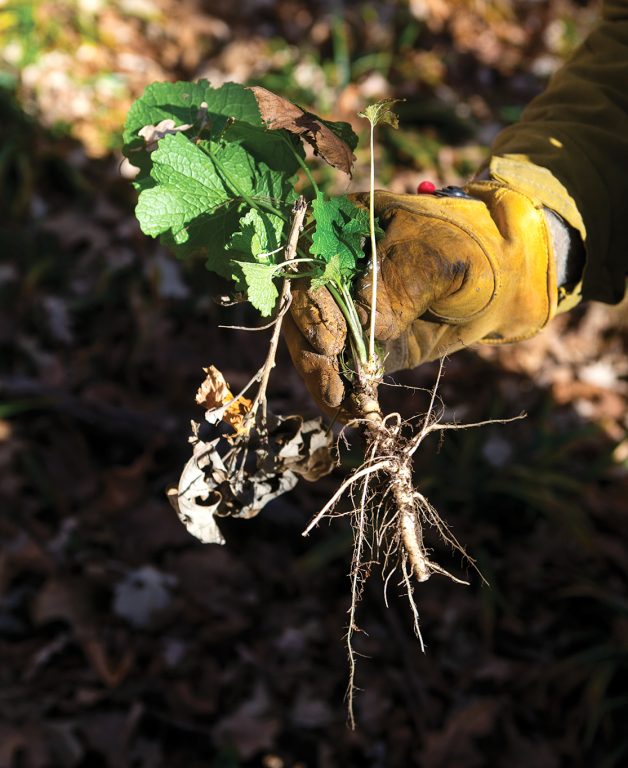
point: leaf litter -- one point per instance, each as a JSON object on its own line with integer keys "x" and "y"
{"x": 237, "y": 475}
{"x": 485, "y": 643}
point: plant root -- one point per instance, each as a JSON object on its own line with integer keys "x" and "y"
{"x": 388, "y": 513}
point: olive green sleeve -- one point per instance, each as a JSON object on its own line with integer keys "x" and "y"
{"x": 570, "y": 151}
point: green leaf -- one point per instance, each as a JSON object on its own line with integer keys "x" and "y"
{"x": 206, "y": 109}
{"x": 340, "y": 230}
{"x": 188, "y": 185}
{"x": 381, "y": 112}
{"x": 214, "y": 179}
{"x": 208, "y": 236}
{"x": 261, "y": 290}
{"x": 331, "y": 274}
{"x": 277, "y": 149}
{"x": 260, "y": 234}
{"x": 182, "y": 103}
{"x": 247, "y": 175}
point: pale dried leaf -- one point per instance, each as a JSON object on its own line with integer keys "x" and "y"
{"x": 141, "y": 593}
{"x": 153, "y": 133}
{"x": 237, "y": 476}
{"x": 251, "y": 728}
{"x": 195, "y": 502}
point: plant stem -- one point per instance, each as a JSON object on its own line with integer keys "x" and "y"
{"x": 303, "y": 165}
{"x": 374, "y": 265}
{"x": 347, "y": 307}
{"x": 299, "y": 211}
{"x": 234, "y": 188}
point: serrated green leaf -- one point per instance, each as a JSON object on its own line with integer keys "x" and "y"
{"x": 331, "y": 274}
{"x": 196, "y": 104}
{"x": 340, "y": 230}
{"x": 208, "y": 236}
{"x": 259, "y": 234}
{"x": 182, "y": 102}
{"x": 222, "y": 183}
{"x": 187, "y": 185}
{"x": 261, "y": 290}
{"x": 277, "y": 149}
{"x": 190, "y": 183}
{"x": 251, "y": 176}
{"x": 381, "y": 112}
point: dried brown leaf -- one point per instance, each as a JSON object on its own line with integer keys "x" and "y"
{"x": 278, "y": 113}
{"x": 214, "y": 390}
{"x": 251, "y": 728}
{"x": 65, "y": 598}
{"x": 214, "y": 393}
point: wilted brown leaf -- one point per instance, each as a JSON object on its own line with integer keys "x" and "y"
{"x": 214, "y": 393}
{"x": 70, "y": 600}
{"x": 278, "y": 113}
{"x": 456, "y": 743}
{"x": 251, "y": 728}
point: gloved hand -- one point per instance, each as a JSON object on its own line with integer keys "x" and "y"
{"x": 453, "y": 271}
{"x": 316, "y": 332}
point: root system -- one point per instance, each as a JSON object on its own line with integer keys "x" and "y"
{"x": 389, "y": 514}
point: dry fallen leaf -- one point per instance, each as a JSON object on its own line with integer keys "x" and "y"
{"x": 70, "y": 600}
{"x": 214, "y": 394}
{"x": 238, "y": 476}
{"x": 141, "y": 593}
{"x": 251, "y": 728}
{"x": 152, "y": 133}
{"x": 278, "y": 113}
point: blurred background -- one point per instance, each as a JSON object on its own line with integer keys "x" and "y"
{"x": 123, "y": 641}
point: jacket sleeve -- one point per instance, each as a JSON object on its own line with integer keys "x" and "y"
{"x": 570, "y": 151}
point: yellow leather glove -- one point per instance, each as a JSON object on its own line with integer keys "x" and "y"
{"x": 453, "y": 271}
{"x": 316, "y": 333}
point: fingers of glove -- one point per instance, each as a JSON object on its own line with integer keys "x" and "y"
{"x": 319, "y": 372}
{"x": 422, "y": 261}
{"x": 319, "y": 319}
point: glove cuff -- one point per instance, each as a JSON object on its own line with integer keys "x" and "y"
{"x": 525, "y": 268}
{"x": 540, "y": 184}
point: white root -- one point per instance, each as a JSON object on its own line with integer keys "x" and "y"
{"x": 389, "y": 513}
{"x": 412, "y": 538}
{"x": 346, "y": 486}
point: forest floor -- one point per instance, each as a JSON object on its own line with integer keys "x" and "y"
{"x": 126, "y": 643}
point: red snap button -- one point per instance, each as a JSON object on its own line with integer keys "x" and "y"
{"x": 426, "y": 188}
